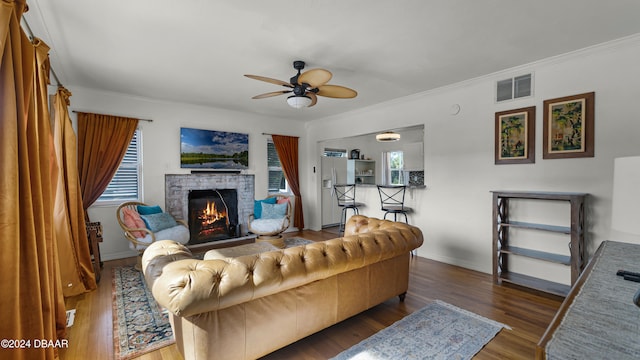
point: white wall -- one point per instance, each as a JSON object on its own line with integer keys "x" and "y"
{"x": 454, "y": 212}
{"x": 161, "y": 147}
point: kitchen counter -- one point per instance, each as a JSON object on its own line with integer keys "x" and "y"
{"x": 408, "y": 186}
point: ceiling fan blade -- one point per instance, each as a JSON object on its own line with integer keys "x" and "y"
{"x": 270, "y": 94}
{"x": 315, "y": 77}
{"x": 269, "y": 80}
{"x": 336, "y": 91}
{"x": 314, "y": 98}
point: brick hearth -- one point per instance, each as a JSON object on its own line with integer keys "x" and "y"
{"x": 177, "y": 186}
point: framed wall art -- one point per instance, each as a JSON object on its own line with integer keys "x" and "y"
{"x": 568, "y": 129}
{"x": 515, "y": 136}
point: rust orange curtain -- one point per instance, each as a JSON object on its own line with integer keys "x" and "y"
{"x": 102, "y": 144}
{"x": 287, "y": 148}
{"x": 76, "y": 269}
{"x": 32, "y": 304}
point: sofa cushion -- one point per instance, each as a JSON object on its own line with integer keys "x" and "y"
{"x": 157, "y": 222}
{"x": 267, "y": 225}
{"x": 273, "y": 211}
{"x": 257, "y": 206}
{"x": 133, "y": 220}
{"x": 178, "y": 233}
{"x": 148, "y": 210}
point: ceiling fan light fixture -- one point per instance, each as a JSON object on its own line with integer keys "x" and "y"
{"x": 387, "y": 136}
{"x": 298, "y": 101}
{"x": 305, "y": 87}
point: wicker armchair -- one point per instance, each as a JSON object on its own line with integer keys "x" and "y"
{"x": 140, "y": 237}
{"x": 271, "y": 229}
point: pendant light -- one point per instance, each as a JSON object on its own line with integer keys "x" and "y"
{"x": 388, "y": 136}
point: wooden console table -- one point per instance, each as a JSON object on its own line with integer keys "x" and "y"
{"x": 503, "y": 250}
{"x": 94, "y": 234}
{"x": 598, "y": 319}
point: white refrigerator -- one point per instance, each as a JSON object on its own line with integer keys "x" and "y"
{"x": 334, "y": 171}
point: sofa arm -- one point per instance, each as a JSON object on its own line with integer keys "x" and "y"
{"x": 187, "y": 286}
{"x": 156, "y": 257}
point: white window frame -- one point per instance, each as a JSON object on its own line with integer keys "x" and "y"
{"x": 105, "y": 200}
{"x": 286, "y": 189}
{"x": 400, "y": 170}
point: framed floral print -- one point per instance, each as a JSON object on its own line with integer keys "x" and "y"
{"x": 568, "y": 129}
{"x": 515, "y": 136}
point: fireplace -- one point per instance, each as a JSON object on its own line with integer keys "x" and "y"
{"x": 213, "y": 215}
{"x": 178, "y": 187}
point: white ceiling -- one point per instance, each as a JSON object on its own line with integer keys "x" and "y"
{"x": 196, "y": 51}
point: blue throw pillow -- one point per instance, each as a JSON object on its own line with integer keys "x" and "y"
{"x": 273, "y": 211}
{"x": 159, "y": 221}
{"x": 148, "y": 210}
{"x": 257, "y": 206}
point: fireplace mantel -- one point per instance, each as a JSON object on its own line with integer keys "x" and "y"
{"x": 177, "y": 186}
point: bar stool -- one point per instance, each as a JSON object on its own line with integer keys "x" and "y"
{"x": 392, "y": 201}
{"x": 346, "y": 195}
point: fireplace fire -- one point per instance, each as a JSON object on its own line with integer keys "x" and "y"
{"x": 213, "y": 215}
{"x": 212, "y": 220}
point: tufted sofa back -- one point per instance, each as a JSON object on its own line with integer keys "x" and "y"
{"x": 187, "y": 286}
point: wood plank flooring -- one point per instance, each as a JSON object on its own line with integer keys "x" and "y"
{"x": 527, "y": 313}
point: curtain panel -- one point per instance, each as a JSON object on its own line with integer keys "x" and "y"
{"x": 102, "y": 144}
{"x": 287, "y": 148}
{"x": 76, "y": 268}
{"x": 32, "y": 303}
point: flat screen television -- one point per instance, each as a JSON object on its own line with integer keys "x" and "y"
{"x": 210, "y": 149}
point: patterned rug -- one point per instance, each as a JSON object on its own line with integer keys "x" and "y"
{"x": 437, "y": 331}
{"x": 295, "y": 241}
{"x": 140, "y": 325}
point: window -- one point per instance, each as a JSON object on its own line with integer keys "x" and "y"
{"x": 277, "y": 180}
{"x": 396, "y": 165}
{"x": 126, "y": 183}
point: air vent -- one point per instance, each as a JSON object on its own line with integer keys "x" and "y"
{"x": 513, "y": 88}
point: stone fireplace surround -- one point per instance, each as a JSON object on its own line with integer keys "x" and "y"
{"x": 177, "y": 186}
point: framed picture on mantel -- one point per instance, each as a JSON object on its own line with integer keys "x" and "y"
{"x": 568, "y": 128}
{"x": 515, "y": 136}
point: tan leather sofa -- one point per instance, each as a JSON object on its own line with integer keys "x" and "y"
{"x": 248, "y": 306}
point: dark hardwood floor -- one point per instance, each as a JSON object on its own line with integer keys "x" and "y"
{"x": 527, "y": 313}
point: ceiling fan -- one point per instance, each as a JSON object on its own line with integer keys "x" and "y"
{"x": 306, "y": 87}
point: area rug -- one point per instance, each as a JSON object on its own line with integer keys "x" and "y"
{"x": 437, "y": 331}
{"x": 140, "y": 325}
{"x": 295, "y": 241}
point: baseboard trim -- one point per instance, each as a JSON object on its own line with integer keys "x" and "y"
{"x": 456, "y": 262}
{"x": 118, "y": 255}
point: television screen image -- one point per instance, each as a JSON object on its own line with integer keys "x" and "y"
{"x": 210, "y": 149}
